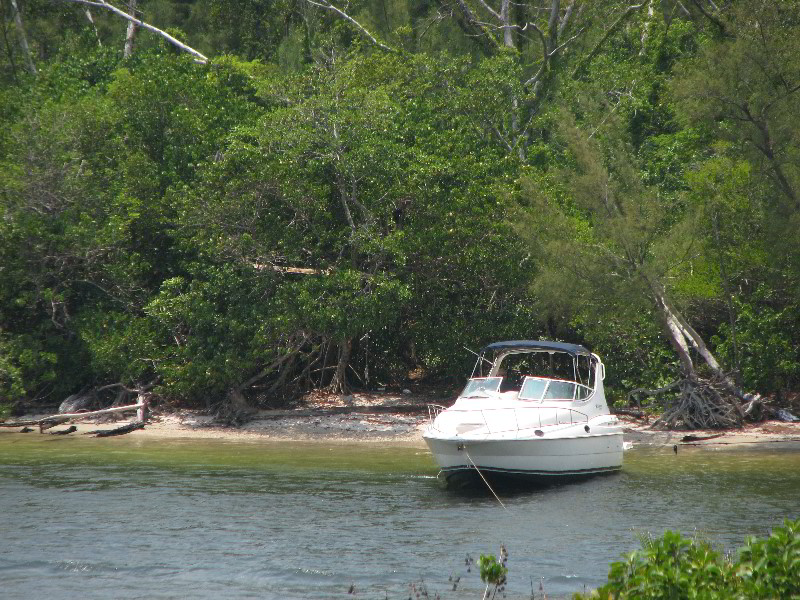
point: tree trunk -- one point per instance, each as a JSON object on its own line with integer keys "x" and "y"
{"x": 505, "y": 16}
{"x": 339, "y": 382}
{"x": 675, "y": 335}
{"x": 9, "y": 51}
{"x": 234, "y": 410}
{"x": 90, "y": 18}
{"x": 702, "y": 403}
{"x": 23, "y": 40}
{"x": 130, "y": 34}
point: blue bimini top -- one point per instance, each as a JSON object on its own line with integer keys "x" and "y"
{"x": 539, "y": 345}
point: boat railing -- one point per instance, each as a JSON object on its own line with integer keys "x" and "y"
{"x": 498, "y": 420}
{"x": 532, "y": 418}
{"x": 434, "y": 410}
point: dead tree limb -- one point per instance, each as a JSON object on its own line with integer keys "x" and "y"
{"x": 324, "y": 4}
{"x": 90, "y": 18}
{"x": 67, "y": 431}
{"x": 701, "y": 404}
{"x": 118, "y": 430}
{"x": 23, "y": 39}
{"x": 584, "y": 63}
{"x": 646, "y": 392}
{"x": 87, "y": 415}
{"x": 53, "y": 420}
{"x": 471, "y": 25}
{"x": 139, "y": 23}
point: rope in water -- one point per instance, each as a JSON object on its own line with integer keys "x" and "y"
{"x": 484, "y": 478}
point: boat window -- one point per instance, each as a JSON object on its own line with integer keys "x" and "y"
{"x": 560, "y": 390}
{"x": 480, "y": 385}
{"x": 583, "y": 392}
{"x": 532, "y": 389}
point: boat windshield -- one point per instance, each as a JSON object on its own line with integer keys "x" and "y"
{"x": 538, "y": 388}
{"x": 560, "y": 390}
{"x": 532, "y": 388}
{"x": 480, "y": 385}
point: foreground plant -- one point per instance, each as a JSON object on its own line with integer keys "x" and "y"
{"x": 675, "y": 568}
{"x": 493, "y": 572}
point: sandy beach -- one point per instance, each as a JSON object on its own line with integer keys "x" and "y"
{"x": 385, "y": 417}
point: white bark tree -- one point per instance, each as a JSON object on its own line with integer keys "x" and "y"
{"x": 622, "y": 263}
{"x": 201, "y": 58}
{"x": 329, "y": 6}
{"x": 23, "y": 39}
{"x": 130, "y": 33}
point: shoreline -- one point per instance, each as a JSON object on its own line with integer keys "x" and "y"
{"x": 388, "y": 417}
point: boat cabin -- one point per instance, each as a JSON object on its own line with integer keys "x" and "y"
{"x": 535, "y": 371}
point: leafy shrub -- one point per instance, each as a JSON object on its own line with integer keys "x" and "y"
{"x": 770, "y": 568}
{"x": 675, "y": 568}
{"x": 493, "y": 573}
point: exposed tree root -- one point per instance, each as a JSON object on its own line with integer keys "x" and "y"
{"x": 699, "y": 403}
{"x": 234, "y": 410}
{"x": 304, "y": 361}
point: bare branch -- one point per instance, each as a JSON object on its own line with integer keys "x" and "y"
{"x": 545, "y": 55}
{"x": 472, "y": 26}
{"x": 139, "y": 23}
{"x": 565, "y": 19}
{"x": 565, "y": 43}
{"x": 709, "y": 16}
{"x": 494, "y": 13}
{"x": 328, "y": 6}
{"x": 552, "y": 23}
{"x": 88, "y": 14}
{"x": 611, "y": 30}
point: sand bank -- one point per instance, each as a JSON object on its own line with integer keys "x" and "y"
{"x": 386, "y": 417}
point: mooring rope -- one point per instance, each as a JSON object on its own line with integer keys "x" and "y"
{"x": 484, "y": 478}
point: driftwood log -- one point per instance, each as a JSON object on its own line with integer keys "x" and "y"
{"x": 119, "y": 430}
{"x": 629, "y": 412}
{"x": 59, "y": 419}
{"x": 68, "y": 430}
{"x": 699, "y": 438}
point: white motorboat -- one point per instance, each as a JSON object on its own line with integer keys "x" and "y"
{"x": 532, "y": 409}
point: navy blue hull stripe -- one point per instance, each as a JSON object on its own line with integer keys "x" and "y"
{"x": 469, "y": 468}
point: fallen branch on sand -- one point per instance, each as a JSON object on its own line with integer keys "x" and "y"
{"x": 699, "y": 438}
{"x": 68, "y": 430}
{"x": 53, "y": 420}
{"x": 628, "y": 412}
{"x": 119, "y": 430}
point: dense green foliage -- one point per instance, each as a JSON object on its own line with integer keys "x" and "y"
{"x": 310, "y": 210}
{"x": 673, "y": 567}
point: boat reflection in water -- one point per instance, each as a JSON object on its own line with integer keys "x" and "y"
{"x": 532, "y": 412}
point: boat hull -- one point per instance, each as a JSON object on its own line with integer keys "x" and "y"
{"x": 529, "y": 459}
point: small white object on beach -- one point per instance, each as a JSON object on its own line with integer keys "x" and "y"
{"x": 406, "y": 391}
{"x": 627, "y": 445}
{"x": 785, "y": 415}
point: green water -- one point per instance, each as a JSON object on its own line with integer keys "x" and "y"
{"x": 134, "y": 518}
{"x": 182, "y": 453}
